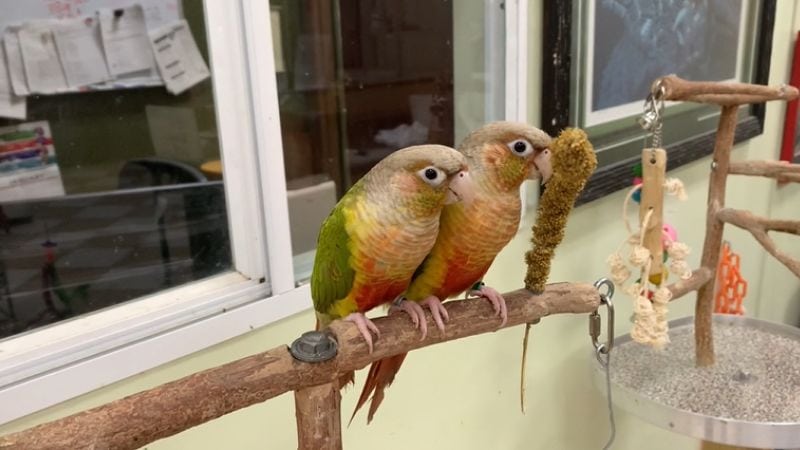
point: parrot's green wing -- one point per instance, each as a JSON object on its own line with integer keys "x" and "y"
{"x": 333, "y": 276}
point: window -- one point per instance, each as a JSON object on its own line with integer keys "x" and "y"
{"x": 184, "y": 264}
{"x": 128, "y": 207}
{"x": 360, "y": 79}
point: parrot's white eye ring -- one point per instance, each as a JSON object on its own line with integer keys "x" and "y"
{"x": 520, "y": 147}
{"x": 432, "y": 176}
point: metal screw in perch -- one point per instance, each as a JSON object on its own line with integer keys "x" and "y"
{"x": 314, "y": 346}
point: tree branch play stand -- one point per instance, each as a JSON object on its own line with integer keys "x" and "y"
{"x": 743, "y": 387}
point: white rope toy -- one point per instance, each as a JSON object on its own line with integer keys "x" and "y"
{"x": 649, "y": 316}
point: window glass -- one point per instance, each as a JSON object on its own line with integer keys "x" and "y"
{"x": 112, "y": 191}
{"x": 360, "y": 79}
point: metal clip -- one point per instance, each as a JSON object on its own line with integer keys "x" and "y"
{"x": 651, "y": 118}
{"x": 595, "y": 326}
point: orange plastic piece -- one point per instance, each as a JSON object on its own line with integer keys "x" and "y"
{"x": 731, "y": 287}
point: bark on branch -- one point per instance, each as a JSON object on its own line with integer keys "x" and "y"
{"x": 724, "y": 94}
{"x": 758, "y": 227}
{"x": 171, "y": 408}
{"x": 699, "y": 278}
{"x": 782, "y": 171}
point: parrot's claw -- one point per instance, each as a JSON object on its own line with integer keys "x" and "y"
{"x": 496, "y": 299}
{"x": 365, "y": 326}
{"x": 438, "y": 311}
{"x": 414, "y": 311}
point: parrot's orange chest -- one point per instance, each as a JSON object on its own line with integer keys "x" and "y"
{"x": 484, "y": 228}
{"x": 369, "y": 296}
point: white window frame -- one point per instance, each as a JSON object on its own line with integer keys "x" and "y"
{"x": 48, "y": 366}
{"x": 52, "y": 365}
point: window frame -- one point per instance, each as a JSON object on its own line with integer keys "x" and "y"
{"x": 101, "y": 348}
{"x": 107, "y": 346}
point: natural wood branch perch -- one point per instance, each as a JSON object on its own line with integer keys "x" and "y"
{"x": 171, "y": 408}
{"x": 782, "y": 171}
{"x": 758, "y": 227}
{"x": 699, "y": 278}
{"x": 724, "y": 94}
{"x": 712, "y": 244}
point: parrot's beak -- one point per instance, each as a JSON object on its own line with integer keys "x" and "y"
{"x": 460, "y": 189}
{"x": 544, "y": 169}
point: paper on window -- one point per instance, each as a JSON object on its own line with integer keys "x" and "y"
{"x": 40, "y": 58}
{"x": 179, "y": 61}
{"x": 28, "y": 165}
{"x": 125, "y": 40}
{"x": 81, "y": 51}
{"x": 16, "y": 70}
{"x": 11, "y": 105}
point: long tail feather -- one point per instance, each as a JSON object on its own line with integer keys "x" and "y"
{"x": 381, "y": 375}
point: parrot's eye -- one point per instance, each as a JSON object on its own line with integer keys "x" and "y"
{"x": 521, "y": 147}
{"x": 432, "y": 176}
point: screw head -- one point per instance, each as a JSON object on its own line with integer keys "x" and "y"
{"x": 744, "y": 376}
{"x": 314, "y": 346}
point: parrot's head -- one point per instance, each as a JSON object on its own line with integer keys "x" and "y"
{"x": 504, "y": 154}
{"x": 422, "y": 178}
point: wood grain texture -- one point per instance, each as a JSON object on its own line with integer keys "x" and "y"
{"x": 712, "y": 245}
{"x": 698, "y": 279}
{"x": 724, "y": 94}
{"x": 134, "y": 421}
{"x": 654, "y": 169}
{"x": 780, "y": 170}
{"x": 319, "y": 421}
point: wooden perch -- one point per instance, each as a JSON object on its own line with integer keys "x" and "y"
{"x": 782, "y": 171}
{"x": 712, "y": 244}
{"x": 136, "y": 420}
{"x": 699, "y": 278}
{"x": 758, "y": 227}
{"x": 723, "y": 94}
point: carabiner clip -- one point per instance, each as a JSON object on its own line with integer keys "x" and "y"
{"x": 594, "y": 320}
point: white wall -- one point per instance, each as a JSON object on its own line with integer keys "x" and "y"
{"x": 465, "y": 394}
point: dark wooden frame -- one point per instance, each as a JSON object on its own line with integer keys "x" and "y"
{"x": 556, "y": 74}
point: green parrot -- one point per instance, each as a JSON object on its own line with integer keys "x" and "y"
{"x": 500, "y": 156}
{"x": 380, "y": 231}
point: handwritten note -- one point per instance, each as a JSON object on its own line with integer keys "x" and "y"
{"x": 125, "y": 39}
{"x": 40, "y": 58}
{"x": 179, "y": 61}
{"x": 11, "y": 105}
{"x": 16, "y": 69}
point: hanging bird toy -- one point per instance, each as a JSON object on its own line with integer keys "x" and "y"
{"x": 654, "y": 249}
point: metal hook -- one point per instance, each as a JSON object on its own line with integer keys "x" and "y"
{"x": 594, "y": 320}
{"x": 651, "y": 118}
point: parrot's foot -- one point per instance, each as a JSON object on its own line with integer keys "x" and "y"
{"x": 438, "y": 311}
{"x": 365, "y": 326}
{"x": 495, "y": 298}
{"x": 414, "y": 311}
